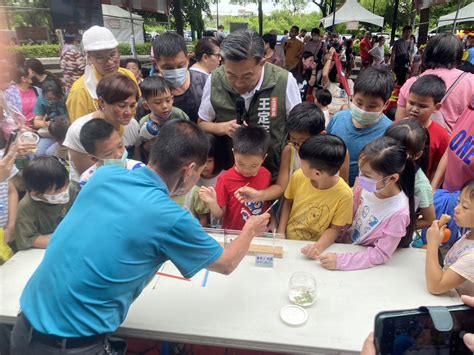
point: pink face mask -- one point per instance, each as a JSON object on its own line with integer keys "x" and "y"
{"x": 368, "y": 184}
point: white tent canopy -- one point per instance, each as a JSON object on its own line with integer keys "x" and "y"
{"x": 352, "y": 11}
{"x": 466, "y": 14}
{"x": 118, "y": 21}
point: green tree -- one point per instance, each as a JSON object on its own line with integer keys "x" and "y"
{"x": 193, "y": 10}
{"x": 325, "y": 6}
{"x": 26, "y": 13}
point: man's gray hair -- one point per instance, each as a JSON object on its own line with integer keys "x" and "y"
{"x": 242, "y": 45}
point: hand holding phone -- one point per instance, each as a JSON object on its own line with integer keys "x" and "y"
{"x": 413, "y": 332}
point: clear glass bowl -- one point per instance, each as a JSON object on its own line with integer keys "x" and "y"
{"x": 302, "y": 289}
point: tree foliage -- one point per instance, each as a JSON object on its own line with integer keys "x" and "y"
{"x": 20, "y": 16}
{"x": 277, "y": 20}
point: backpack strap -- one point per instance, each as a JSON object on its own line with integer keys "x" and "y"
{"x": 452, "y": 87}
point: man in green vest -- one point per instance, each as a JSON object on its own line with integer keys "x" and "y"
{"x": 269, "y": 93}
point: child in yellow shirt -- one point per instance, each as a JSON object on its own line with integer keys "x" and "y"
{"x": 318, "y": 203}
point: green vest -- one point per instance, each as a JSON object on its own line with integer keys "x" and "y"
{"x": 267, "y": 109}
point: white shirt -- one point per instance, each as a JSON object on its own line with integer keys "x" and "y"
{"x": 72, "y": 141}
{"x": 207, "y": 113}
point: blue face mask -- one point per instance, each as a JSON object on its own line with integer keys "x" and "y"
{"x": 122, "y": 162}
{"x": 365, "y": 118}
{"x": 176, "y": 77}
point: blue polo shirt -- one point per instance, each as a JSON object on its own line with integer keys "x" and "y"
{"x": 355, "y": 138}
{"x": 121, "y": 228}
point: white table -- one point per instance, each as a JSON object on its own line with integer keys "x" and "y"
{"x": 242, "y": 310}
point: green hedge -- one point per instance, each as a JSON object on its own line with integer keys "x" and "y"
{"x": 53, "y": 50}
{"x": 39, "y": 50}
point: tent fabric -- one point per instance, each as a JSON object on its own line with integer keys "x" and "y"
{"x": 350, "y": 11}
{"x": 466, "y": 14}
{"x": 118, "y": 21}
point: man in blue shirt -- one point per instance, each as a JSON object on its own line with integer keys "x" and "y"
{"x": 120, "y": 230}
{"x": 364, "y": 122}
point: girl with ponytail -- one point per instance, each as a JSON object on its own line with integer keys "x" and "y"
{"x": 384, "y": 214}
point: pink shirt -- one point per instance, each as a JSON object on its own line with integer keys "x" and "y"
{"x": 383, "y": 240}
{"x": 460, "y": 168}
{"x": 28, "y": 102}
{"x": 456, "y": 102}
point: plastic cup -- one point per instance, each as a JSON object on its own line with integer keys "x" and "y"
{"x": 31, "y": 138}
{"x": 302, "y": 289}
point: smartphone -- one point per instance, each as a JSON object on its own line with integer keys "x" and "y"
{"x": 11, "y": 139}
{"x": 412, "y": 332}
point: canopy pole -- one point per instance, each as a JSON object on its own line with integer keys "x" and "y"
{"x": 394, "y": 22}
{"x": 456, "y": 17}
{"x": 333, "y": 16}
{"x": 134, "y": 48}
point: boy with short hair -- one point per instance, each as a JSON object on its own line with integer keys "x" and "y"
{"x": 318, "y": 203}
{"x": 250, "y": 150}
{"x": 47, "y": 201}
{"x": 103, "y": 144}
{"x": 364, "y": 121}
{"x": 157, "y": 98}
{"x": 304, "y": 121}
{"x": 323, "y": 99}
{"x": 423, "y": 101}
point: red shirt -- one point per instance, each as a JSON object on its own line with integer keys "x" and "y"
{"x": 439, "y": 140}
{"x": 237, "y": 213}
{"x": 365, "y": 47}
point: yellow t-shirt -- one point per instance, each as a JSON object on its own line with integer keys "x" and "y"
{"x": 314, "y": 210}
{"x": 79, "y": 103}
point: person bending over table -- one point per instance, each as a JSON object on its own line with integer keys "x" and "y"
{"x": 120, "y": 230}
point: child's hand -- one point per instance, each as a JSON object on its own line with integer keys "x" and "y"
{"x": 328, "y": 261}
{"x": 8, "y": 234}
{"x": 311, "y": 251}
{"x": 207, "y": 194}
{"x": 435, "y": 235}
{"x": 247, "y": 194}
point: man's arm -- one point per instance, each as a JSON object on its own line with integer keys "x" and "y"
{"x": 237, "y": 249}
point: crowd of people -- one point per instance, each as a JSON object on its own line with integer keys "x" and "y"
{"x": 242, "y": 122}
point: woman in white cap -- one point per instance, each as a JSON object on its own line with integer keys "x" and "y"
{"x": 102, "y": 57}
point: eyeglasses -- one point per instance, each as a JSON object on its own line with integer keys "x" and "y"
{"x": 103, "y": 60}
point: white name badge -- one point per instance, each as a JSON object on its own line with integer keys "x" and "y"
{"x": 264, "y": 260}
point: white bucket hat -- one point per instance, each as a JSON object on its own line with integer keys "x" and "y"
{"x": 98, "y": 38}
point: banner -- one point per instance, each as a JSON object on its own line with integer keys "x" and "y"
{"x": 340, "y": 74}
{"x": 157, "y": 6}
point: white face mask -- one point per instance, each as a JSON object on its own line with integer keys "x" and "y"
{"x": 176, "y": 77}
{"x": 57, "y": 199}
{"x": 363, "y": 117}
{"x": 122, "y": 162}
